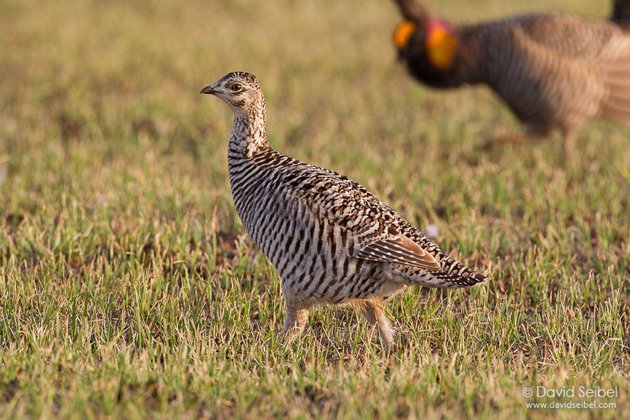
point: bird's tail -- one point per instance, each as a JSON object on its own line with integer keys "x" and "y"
{"x": 454, "y": 274}
{"x": 616, "y": 106}
{"x": 451, "y": 274}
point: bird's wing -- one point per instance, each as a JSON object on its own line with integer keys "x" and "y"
{"x": 372, "y": 226}
{"x": 401, "y": 250}
{"x": 597, "y": 54}
{"x": 569, "y": 36}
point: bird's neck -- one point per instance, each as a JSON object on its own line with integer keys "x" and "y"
{"x": 249, "y": 133}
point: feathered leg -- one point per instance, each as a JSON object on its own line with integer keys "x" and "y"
{"x": 294, "y": 321}
{"x": 373, "y": 312}
{"x": 514, "y": 138}
{"x": 568, "y": 145}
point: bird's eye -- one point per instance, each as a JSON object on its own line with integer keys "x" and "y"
{"x": 236, "y": 87}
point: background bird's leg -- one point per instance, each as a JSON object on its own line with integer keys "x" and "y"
{"x": 568, "y": 145}
{"x": 513, "y": 138}
{"x": 375, "y": 315}
{"x": 294, "y": 321}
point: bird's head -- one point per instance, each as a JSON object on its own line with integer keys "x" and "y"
{"x": 421, "y": 35}
{"x": 238, "y": 89}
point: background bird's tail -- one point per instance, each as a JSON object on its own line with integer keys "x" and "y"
{"x": 616, "y": 106}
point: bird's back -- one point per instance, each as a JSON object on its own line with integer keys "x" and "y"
{"x": 573, "y": 36}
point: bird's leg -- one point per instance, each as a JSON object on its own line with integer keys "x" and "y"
{"x": 513, "y": 138}
{"x": 493, "y": 143}
{"x": 567, "y": 146}
{"x": 375, "y": 315}
{"x": 294, "y": 321}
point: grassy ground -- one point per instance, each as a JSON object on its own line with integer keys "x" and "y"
{"x": 128, "y": 287}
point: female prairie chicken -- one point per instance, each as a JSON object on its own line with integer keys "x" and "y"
{"x": 328, "y": 237}
{"x": 554, "y": 71}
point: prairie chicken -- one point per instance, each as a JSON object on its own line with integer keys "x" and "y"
{"x": 555, "y": 72}
{"x": 329, "y": 238}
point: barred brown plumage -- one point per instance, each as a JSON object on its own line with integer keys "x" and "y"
{"x": 554, "y": 71}
{"x": 330, "y": 239}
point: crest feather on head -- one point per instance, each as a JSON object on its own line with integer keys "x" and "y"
{"x": 242, "y": 75}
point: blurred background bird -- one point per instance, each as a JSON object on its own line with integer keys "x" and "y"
{"x": 554, "y": 71}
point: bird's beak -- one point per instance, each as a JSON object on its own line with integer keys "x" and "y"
{"x": 209, "y": 90}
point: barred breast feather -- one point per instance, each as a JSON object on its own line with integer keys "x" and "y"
{"x": 320, "y": 227}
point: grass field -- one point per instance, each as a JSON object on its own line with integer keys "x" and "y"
{"x": 128, "y": 287}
